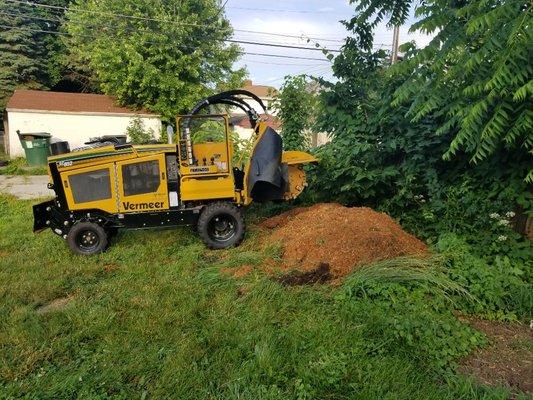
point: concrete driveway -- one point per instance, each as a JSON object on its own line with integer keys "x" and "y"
{"x": 25, "y": 187}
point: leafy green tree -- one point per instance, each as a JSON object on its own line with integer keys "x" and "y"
{"x": 477, "y": 72}
{"x": 29, "y": 47}
{"x": 295, "y": 106}
{"x": 163, "y": 55}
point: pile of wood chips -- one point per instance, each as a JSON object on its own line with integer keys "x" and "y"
{"x": 340, "y": 237}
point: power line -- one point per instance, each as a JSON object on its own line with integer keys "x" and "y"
{"x": 287, "y": 41}
{"x": 255, "y": 43}
{"x": 29, "y": 16}
{"x": 284, "y": 56}
{"x": 302, "y": 36}
{"x": 221, "y": 10}
{"x": 244, "y": 60}
{"x": 240, "y": 52}
{"x": 127, "y": 16}
{"x": 61, "y": 20}
{"x": 280, "y": 10}
{"x": 305, "y": 71}
{"x": 282, "y": 45}
{"x": 238, "y": 41}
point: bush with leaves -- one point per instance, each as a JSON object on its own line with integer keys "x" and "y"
{"x": 502, "y": 285}
{"x": 407, "y": 306}
{"x": 465, "y": 205}
{"x": 376, "y": 153}
{"x": 295, "y": 106}
{"x": 137, "y": 132}
{"x": 476, "y": 72}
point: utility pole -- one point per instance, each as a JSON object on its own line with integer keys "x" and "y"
{"x": 395, "y": 44}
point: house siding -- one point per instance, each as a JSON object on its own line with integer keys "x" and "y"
{"x": 74, "y": 127}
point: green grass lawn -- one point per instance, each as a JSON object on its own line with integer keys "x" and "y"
{"x": 19, "y": 166}
{"x": 155, "y": 318}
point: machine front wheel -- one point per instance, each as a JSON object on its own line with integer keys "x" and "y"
{"x": 87, "y": 238}
{"x": 221, "y": 225}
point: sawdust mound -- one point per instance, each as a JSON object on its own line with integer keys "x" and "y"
{"x": 342, "y": 238}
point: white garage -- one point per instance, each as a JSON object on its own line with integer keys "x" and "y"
{"x": 74, "y": 117}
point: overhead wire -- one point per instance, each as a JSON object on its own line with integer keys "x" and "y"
{"x": 283, "y": 46}
{"x": 305, "y": 71}
{"x": 60, "y": 20}
{"x": 280, "y": 10}
{"x": 244, "y": 60}
{"x": 302, "y": 36}
{"x": 135, "y": 17}
{"x": 285, "y": 56}
{"x": 234, "y": 40}
{"x": 237, "y": 41}
{"x": 240, "y": 52}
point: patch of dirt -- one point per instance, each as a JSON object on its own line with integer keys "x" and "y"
{"x": 507, "y": 360}
{"x": 111, "y": 267}
{"x": 238, "y": 272}
{"x": 342, "y": 238}
{"x": 58, "y": 304}
{"x": 320, "y": 275}
{"x": 243, "y": 290}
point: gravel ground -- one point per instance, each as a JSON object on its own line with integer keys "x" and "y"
{"x": 25, "y": 187}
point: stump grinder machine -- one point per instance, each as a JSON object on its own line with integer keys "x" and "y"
{"x": 106, "y": 186}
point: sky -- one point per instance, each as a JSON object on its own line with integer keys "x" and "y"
{"x": 309, "y": 18}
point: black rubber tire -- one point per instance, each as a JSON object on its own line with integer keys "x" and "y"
{"x": 83, "y": 231}
{"x": 220, "y": 213}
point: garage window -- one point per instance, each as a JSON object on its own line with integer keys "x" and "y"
{"x": 90, "y": 186}
{"x": 141, "y": 177}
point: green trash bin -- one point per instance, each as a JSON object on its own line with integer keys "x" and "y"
{"x": 36, "y": 146}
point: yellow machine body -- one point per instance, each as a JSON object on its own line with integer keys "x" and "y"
{"x": 210, "y": 177}
{"x": 199, "y": 180}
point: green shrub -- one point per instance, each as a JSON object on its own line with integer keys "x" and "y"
{"x": 501, "y": 284}
{"x": 295, "y": 107}
{"x": 407, "y": 307}
{"x": 477, "y": 207}
{"x": 412, "y": 323}
{"x": 137, "y": 133}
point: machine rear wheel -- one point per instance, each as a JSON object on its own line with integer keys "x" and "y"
{"x": 87, "y": 238}
{"x": 221, "y": 225}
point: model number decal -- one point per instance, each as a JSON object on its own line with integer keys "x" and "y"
{"x": 142, "y": 206}
{"x": 199, "y": 169}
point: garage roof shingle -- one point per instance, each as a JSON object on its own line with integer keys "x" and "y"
{"x": 67, "y": 102}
